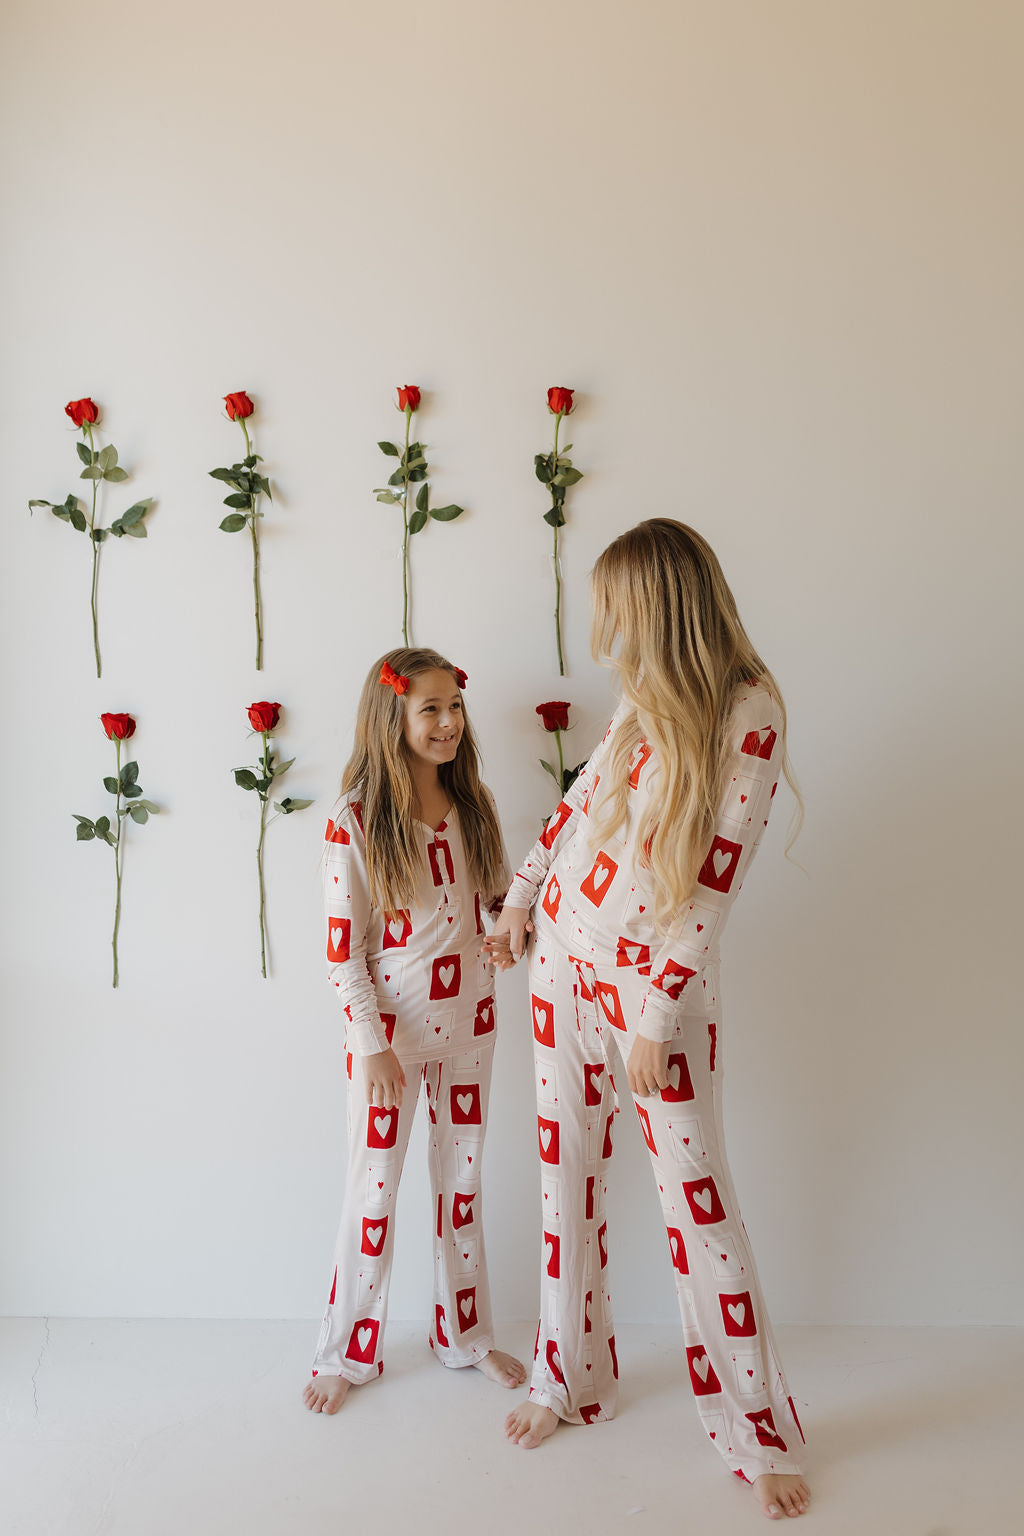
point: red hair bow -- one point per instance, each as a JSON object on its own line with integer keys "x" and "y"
{"x": 389, "y": 676}
{"x": 462, "y": 678}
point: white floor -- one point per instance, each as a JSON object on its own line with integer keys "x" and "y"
{"x": 196, "y": 1429}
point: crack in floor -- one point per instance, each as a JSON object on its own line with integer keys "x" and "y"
{"x": 39, "y": 1365}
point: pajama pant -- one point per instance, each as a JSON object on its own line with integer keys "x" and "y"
{"x": 582, "y": 1020}
{"x": 351, "y": 1338}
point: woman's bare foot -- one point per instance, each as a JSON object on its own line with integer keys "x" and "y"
{"x": 506, "y": 1370}
{"x": 781, "y": 1493}
{"x": 325, "y": 1394}
{"x": 529, "y": 1424}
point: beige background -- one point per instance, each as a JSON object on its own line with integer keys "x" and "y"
{"x": 778, "y": 251}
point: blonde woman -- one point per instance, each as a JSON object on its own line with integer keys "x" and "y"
{"x": 629, "y": 889}
{"x": 413, "y": 859}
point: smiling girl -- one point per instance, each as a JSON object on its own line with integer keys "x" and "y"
{"x": 414, "y": 858}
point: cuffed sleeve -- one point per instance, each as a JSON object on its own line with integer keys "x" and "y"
{"x": 750, "y": 783}
{"x": 347, "y": 915}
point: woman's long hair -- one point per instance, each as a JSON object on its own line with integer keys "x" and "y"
{"x": 377, "y": 774}
{"x": 683, "y": 652}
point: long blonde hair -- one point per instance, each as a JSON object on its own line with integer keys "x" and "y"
{"x": 683, "y": 652}
{"x": 377, "y": 774}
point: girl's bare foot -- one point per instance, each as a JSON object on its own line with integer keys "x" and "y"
{"x": 325, "y": 1394}
{"x": 781, "y": 1493}
{"x": 506, "y": 1370}
{"x": 529, "y": 1424}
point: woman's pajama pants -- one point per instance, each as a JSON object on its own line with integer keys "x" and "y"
{"x": 582, "y": 1020}
{"x": 351, "y": 1338}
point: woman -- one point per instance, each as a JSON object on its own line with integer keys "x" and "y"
{"x": 629, "y": 888}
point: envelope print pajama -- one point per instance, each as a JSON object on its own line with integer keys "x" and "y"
{"x": 601, "y": 973}
{"x": 420, "y": 983}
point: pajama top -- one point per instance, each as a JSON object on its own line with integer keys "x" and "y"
{"x": 602, "y": 899}
{"x": 418, "y": 981}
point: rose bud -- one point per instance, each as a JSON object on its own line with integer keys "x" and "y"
{"x": 408, "y": 397}
{"x": 263, "y": 716}
{"x": 238, "y": 405}
{"x": 554, "y": 715}
{"x": 559, "y": 400}
{"x": 81, "y": 411}
{"x": 118, "y": 727}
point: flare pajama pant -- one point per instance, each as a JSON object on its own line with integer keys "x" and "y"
{"x": 352, "y": 1334}
{"x": 584, "y": 1023}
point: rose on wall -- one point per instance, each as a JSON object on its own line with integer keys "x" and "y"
{"x": 128, "y": 802}
{"x": 412, "y": 469}
{"x": 100, "y": 465}
{"x": 554, "y": 717}
{"x": 247, "y": 486}
{"x": 264, "y": 716}
{"x": 555, "y": 470}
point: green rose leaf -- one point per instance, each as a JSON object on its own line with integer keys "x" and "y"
{"x": 131, "y": 791}
{"x": 116, "y": 474}
{"x": 389, "y": 449}
{"x": 388, "y": 497}
{"x": 107, "y": 457}
{"x": 233, "y": 523}
{"x": 398, "y": 478}
{"x": 147, "y": 805}
{"x": 39, "y": 504}
{"x": 417, "y": 522}
{"x": 555, "y": 517}
{"x": 418, "y": 474}
{"x": 238, "y": 499}
{"x": 138, "y": 531}
{"x": 542, "y": 467}
{"x": 139, "y": 813}
{"x": 567, "y": 477}
{"x": 94, "y": 472}
{"x": 419, "y": 462}
{"x": 61, "y": 512}
{"x": 130, "y": 773}
{"x": 110, "y": 784}
{"x": 102, "y": 826}
{"x": 227, "y": 475}
{"x": 98, "y": 535}
{"x": 288, "y": 805}
{"x": 116, "y": 529}
{"x": 549, "y": 769}
{"x": 84, "y": 452}
{"x": 131, "y": 517}
{"x": 446, "y": 514}
{"x": 282, "y": 768}
{"x": 264, "y": 485}
{"x": 245, "y": 778}
{"x": 77, "y": 517}
{"x": 421, "y": 498}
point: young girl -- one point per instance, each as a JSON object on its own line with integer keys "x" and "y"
{"x": 414, "y": 856}
{"x": 630, "y": 886}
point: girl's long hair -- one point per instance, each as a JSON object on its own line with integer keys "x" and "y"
{"x": 683, "y": 652}
{"x": 377, "y": 774}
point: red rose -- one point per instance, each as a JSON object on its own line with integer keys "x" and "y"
{"x": 559, "y": 400}
{"x": 408, "y": 397}
{"x": 118, "y": 727}
{"x": 263, "y": 716}
{"x": 238, "y": 405}
{"x": 554, "y": 715}
{"x": 81, "y": 411}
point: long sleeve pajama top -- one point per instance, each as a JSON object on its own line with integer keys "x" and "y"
{"x": 600, "y": 899}
{"x": 417, "y": 981}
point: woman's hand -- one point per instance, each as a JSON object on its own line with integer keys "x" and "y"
{"x": 506, "y": 942}
{"x": 384, "y": 1079}
{"x": 647, "y": 1068}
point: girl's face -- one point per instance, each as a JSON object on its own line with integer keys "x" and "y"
{"x": 433, "y": 717}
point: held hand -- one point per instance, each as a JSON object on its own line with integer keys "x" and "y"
{"x": 384, "y": 1079}
{"x": 507, "y": 940}
{"x": 647, "y": 1068}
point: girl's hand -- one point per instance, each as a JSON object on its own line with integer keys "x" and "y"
{"x": 506, "y": 942}
{"x": 384, "y": 1079}
{"x": 647, "y": 1068}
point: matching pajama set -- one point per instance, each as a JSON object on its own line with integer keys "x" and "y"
{"x": 602, "y": 972}
{"x": 418, "y": 981}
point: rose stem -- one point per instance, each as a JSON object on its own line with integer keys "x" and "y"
{"x": 255, "y": 553}
{"x": 558, "y": 582}
{"x": 95, "y": 561}
{"x": 405, "y": 534}
{"x": 259, "y": 857}
{"x": 117, "y": 857}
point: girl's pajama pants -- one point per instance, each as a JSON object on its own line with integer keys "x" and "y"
{"x": 582, "y": 1020}
{"x": 352, "y": 1334}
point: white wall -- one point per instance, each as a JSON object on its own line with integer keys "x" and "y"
{"x": 778, "y": 251}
